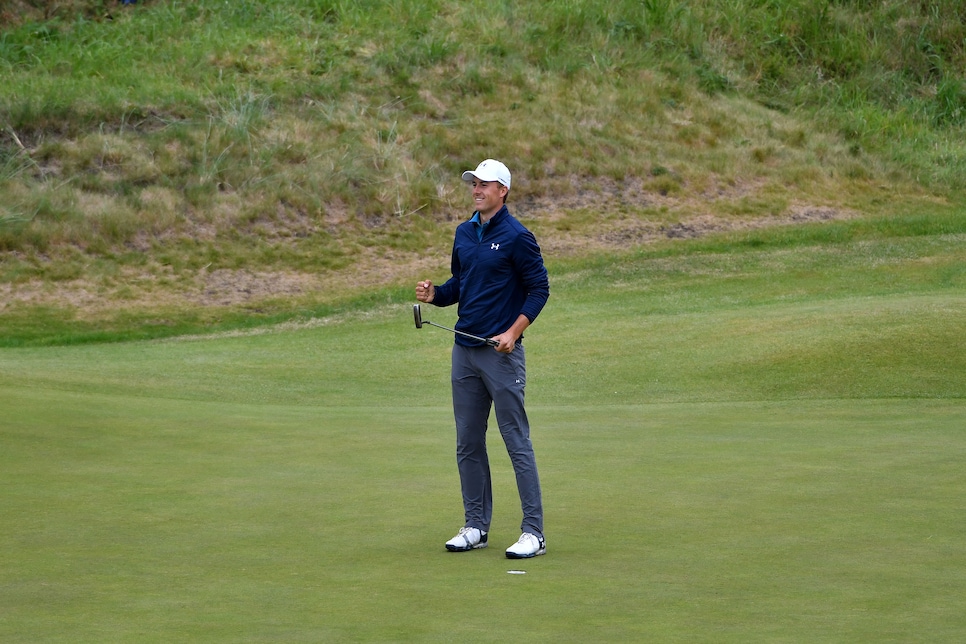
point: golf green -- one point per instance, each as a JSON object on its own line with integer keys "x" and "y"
{"x": 756, "y": 445}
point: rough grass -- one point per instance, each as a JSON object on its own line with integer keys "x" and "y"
{"x": 311, "y": 148}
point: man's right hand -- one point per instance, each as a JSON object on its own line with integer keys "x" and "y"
{"x": 425, "y": 291}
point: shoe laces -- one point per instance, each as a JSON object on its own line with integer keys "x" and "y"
{"x": 465, "y": 534}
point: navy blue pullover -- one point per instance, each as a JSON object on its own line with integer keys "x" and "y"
{"x": 496, "y": 277}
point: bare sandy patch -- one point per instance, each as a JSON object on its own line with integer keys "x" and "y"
{"x": 629, "y": 215}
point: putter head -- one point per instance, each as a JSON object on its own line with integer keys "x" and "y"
{"x": 417, "y": 316}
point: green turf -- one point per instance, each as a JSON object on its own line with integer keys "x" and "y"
{"x": 738, "y": 445}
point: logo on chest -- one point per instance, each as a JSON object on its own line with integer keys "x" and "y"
{"x": 494, "y": 247}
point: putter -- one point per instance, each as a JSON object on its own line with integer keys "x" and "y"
{"x": 420, "y": 322}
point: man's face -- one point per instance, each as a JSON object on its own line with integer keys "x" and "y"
{"x": 487, "y": 197}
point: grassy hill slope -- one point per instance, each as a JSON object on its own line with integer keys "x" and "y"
{"x": 169, "y": 165}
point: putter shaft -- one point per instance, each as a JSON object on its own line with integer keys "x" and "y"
{"x": 418, "y": 317}
{"x": 489, "y": 341}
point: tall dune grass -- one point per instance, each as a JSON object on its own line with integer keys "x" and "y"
{"x": 144, "y": 128}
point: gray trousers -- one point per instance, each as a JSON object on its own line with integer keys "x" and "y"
{"x": 483, "y": 377}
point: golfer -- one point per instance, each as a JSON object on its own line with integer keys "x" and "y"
{"x": 501, "y": 285}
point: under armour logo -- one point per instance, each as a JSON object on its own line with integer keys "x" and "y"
{"x": 494, "y": 247}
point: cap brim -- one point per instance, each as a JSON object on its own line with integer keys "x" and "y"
{"x": 469, "y": 175}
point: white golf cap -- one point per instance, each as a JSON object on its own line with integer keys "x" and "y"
{"x": 489, "y": 170}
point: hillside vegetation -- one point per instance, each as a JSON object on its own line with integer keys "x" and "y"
{"x": 167, "y": 165}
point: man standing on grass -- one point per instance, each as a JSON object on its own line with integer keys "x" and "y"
{"x": 501, "y": 285}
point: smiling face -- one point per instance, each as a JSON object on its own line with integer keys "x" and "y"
{"x": 487, "y": 197}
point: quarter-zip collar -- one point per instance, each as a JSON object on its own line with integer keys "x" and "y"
{"x": 481, "y": 227}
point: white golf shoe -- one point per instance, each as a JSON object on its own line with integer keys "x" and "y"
{"x": 467, "y": 539}
{"x": 529, "y": 545}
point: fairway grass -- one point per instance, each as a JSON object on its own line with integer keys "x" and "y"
{"x": 756, "y": 445}
{"x": 133, "y": 519}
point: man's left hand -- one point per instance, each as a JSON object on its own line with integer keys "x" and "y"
{"x": 505, "y": 342}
